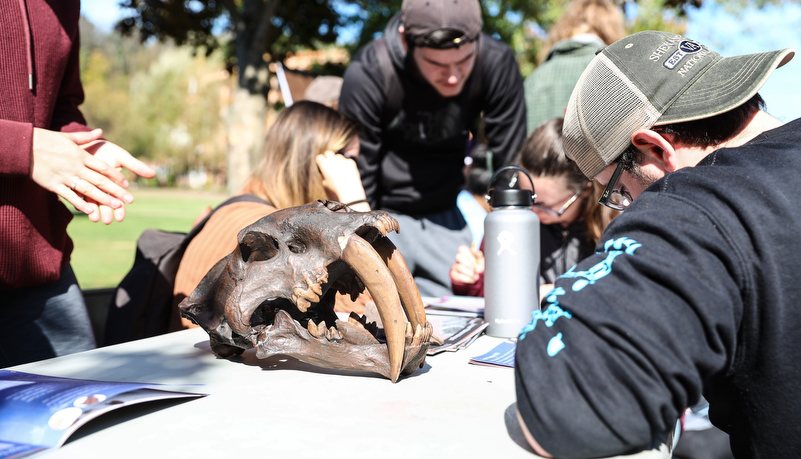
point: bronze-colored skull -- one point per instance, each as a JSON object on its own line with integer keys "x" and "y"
{"x": 276, "y": 292}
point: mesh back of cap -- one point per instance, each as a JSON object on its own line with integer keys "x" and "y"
{"x": 604, "y": 110}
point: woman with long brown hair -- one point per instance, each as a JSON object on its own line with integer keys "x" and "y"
{"x": 566, "y": 203}
{"x": 309, "y": 154}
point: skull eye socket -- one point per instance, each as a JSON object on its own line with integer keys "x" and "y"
{"x": 297, "y": 247}
{"x": 258, "y": 247}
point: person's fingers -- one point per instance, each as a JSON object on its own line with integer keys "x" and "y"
{"x": 106, "y": 186}
{"x": 100, "y": 166}
{"x": 93, "y": 193}
{"x": 465, "y": 270}
{"x": 106, "y": 214}
{"x": 119, "y": 214}
{"x": 75, "y": 199}
{"x": 118, "y": 157}
{"x": 81, "y": 138}
{"x": 465, "y": 258}
{"x": 465, "y": 278}
{"x": 136, "y": 166}
{"x": 95, "y": 215}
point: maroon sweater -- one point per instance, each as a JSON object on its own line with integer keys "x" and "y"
{"x": 39, "y": 87}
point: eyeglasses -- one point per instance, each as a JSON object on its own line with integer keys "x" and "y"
{"x": 558, "y": 213}
{"x": 612, "y": 198}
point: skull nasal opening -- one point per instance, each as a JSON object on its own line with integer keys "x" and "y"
{"x": 257, "y": 246}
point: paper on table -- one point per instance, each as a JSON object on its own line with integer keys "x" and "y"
{"x": 502, "y": 355}
{"x": 39, "y": 412}
{"x": 456, "y": 305}
{"x": 457, "y": 332}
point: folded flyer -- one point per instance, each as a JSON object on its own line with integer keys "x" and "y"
{"x": 40, "y": 412}
{"x": 469, "y": 306}
{"x": 502, "y": 355}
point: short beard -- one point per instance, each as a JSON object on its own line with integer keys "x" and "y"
{"x": 643, "y": 179}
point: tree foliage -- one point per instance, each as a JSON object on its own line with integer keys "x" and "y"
{"x": 248, "y": 34}
{"x": 161, "y": 102}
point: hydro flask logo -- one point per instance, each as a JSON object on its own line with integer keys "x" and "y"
{"x": 505, "y": 238}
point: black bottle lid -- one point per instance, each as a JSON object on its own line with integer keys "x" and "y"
{"x": 510, "y": 197}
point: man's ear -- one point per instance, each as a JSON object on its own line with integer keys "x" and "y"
{"x": 655, "y": 149}
{"x": 401, "y": 31}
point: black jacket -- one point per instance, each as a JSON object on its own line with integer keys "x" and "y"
{"x": 695, "y": 290}
{"x": 412, "y": 163}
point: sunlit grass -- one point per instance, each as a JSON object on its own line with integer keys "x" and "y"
{"x": 104, "y": 254}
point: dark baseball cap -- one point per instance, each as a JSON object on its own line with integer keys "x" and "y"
{"x": 650, "y": 79}
{"x": 422, "y": 17}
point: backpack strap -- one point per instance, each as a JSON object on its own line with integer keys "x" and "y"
{"x": 393, "y": 89}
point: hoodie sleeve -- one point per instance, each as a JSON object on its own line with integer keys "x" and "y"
{"x": 362, "y": 99}
{"x": 627, "y": 338}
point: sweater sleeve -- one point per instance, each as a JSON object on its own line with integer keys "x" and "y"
{"x": 460, "y": 288}
{"x": 504, "y": 104}
{"x": 16, "y": 143}
{"x": 362, "y": 99}
{"x": 626, "y": 339}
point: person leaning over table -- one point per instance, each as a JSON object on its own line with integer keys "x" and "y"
{"x": 451, "y": 77}
{"x": 47, "y": 156}
{"x": 692, "y": 290}
{"x": 571, "y": 218}
{"x": 308, "y": 154}
{"x": 585, "y": 26}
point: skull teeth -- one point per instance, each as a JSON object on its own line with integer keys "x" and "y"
{"x": 303, "y": 304}
{"x": 320, "y": 331}
{"x": 312, "y": 328}
{"x": 313, "y": 286}
{"x": 304, "y": 298}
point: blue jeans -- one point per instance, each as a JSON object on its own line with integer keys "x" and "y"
{"x": 44, "y": 321}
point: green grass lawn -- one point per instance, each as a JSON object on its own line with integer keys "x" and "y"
{"x": 104, "y": 254}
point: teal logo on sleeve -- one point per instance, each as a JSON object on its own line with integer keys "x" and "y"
{"x": 613, "y": 248}
{"x": 555, "y": 345}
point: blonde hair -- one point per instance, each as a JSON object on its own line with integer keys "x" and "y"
{"x": 287, "y": 175}
{"x": 598, "y": 17}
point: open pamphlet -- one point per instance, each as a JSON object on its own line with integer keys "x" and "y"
{"x": 468, "y": 306}
{"x": 502, "y": 355}
{"x": 40, "y": 412}
{"x": 456, "y": 332}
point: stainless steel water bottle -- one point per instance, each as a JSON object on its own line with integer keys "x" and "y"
{"x": 512, "y": 258}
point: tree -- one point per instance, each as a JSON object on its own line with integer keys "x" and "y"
{"x": 252, "y": 33}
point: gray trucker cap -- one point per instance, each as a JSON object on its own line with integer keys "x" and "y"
{"x": 654, "y": 78}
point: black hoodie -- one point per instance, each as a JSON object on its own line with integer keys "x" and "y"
{"x": 694, "y": 290}
{"x": 413, "y": 163}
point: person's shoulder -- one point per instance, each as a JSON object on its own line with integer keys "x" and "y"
{"x": 366, "y": 55}
{"x": 493, "y": 48}
{"x": 240, "y": 214}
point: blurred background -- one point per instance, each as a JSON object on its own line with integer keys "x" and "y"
{"x": 190, "y": 86}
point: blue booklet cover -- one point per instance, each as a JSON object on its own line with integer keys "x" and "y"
{"x": 39, "y": 412}
{"x": 502, "y": 355}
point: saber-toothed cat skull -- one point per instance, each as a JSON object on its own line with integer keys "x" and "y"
{"x": 276, "y": 292}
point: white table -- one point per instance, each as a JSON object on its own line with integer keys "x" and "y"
{"x": 283, "y": 408}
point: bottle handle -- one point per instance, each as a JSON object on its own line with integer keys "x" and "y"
{"x": 490, "y": 188}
